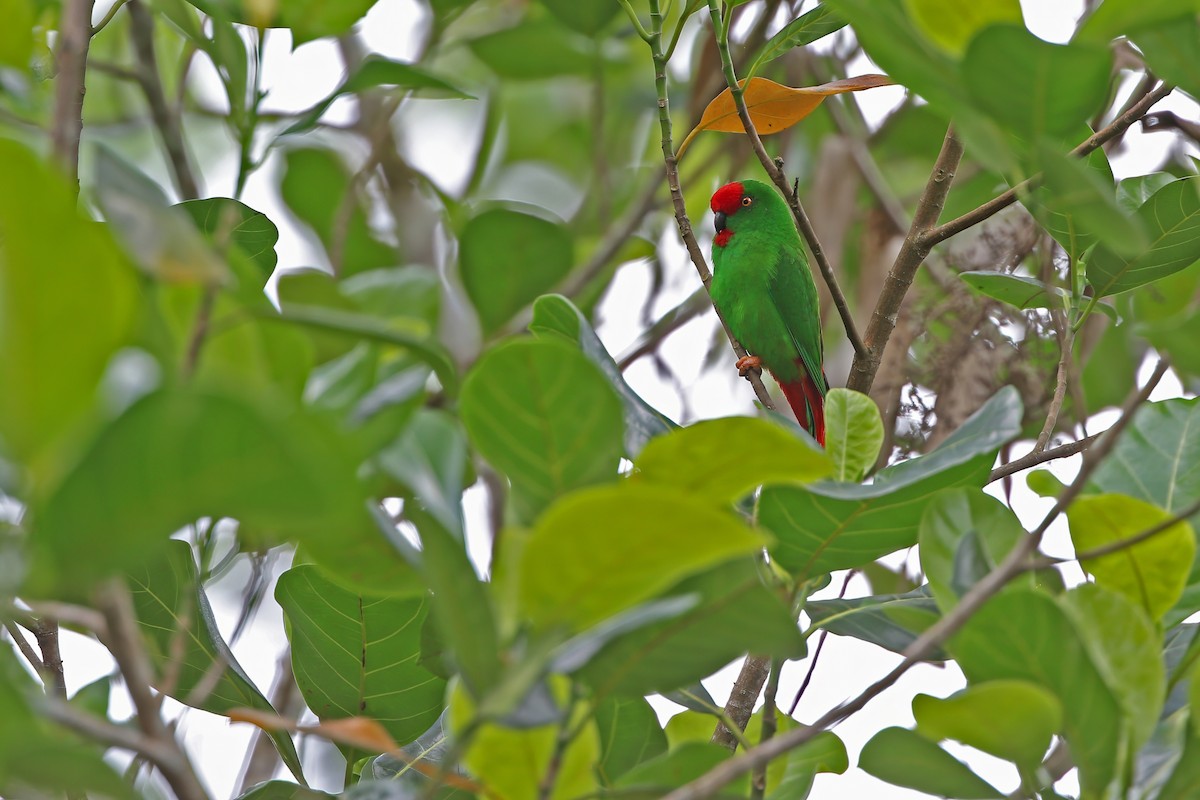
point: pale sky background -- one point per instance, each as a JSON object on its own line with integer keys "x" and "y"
{"x": 444, "y": 150}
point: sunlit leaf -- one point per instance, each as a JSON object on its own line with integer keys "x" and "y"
{"x": 1010, "y": 719}
{"x": 16, "y": 35}
{"x": 905, "y": 758}
{"x": 774, "y": 107}
{"x": 951, "y": 24}
{"x": 853, "y": 433}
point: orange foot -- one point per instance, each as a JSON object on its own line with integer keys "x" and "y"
{"x": 748, "y": 363}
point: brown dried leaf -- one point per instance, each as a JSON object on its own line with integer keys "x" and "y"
{"x": 774, "y": 107}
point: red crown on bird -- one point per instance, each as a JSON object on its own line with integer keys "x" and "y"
{"x": 728, "y": 199}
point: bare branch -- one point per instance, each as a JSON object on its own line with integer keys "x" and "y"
{"x": 1066, "y": 341}
{"x": 74, "y": 36}
{"x": 1035, "y": 458}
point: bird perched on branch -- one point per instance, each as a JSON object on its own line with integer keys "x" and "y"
{"x": 765, "y": 292}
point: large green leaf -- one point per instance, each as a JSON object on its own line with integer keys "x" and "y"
{"x": 629, "y": 735}
{"x": 602, "y": 550}
{"x": 951, "y": 24}
{"x": 1011, "y": 719}
{"x": 534, "y": 49}
{"x": 1157, "y": 459}
{"x": 507, "y": 258}
{"x": 1171, "y": 218}
{"x": 1077, "y": 205}
{"x": 853, "y": 433}
{"x": 1016, "y": 290}
{"x": 1032, "y": 87}
{"x": 182, "y": 640}
{"x": 723, "y": 460}
{"x": 544, "y": 415}
{"x": 555, "y": 315}
{"x": 1025, "y": 635}
{"x": 892, "y": 621}
{"x": 16, "y": 37}
{"x": 587, "y": 18}
{"x": 430, "y": 458}
{"x": 735, "y": 614}
{"x": 902, "y": 757}
{"x": 176, "y": 456}
{"x": 226, "y": 220}
{"x": 828, "y": 526}
{"x": 1115, "y": 17}
{"x": 356, "y": 654}
{"x": 1151, "y": 574}
{"x": 67, "y": 302}
{"x": 1170, "y": 49}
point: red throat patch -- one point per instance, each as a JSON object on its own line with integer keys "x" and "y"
{"x": 722, "y": 238}
{"x": 728, "y": 199}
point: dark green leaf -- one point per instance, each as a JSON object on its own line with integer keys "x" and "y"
{"x": 356, "y": 654}
{"x": 283, "y": 790}
{"x": 507, "y": 258}
{"x": 578, "y": 650}
{"x": 430, "y": 458}
{"x": 544, "y": 415}
{"x": 587, "y": 18}
{"x": 1032, "y": 87}
{"x": 182, "y": 639}
{"x": 1010, "y": 719}
{"x": 225, "y": 220}
{"x": 629, "y": 735}
{"x": 804, "y": 29}
{"x": 533, "y": 50}
{"x": 891, "y": 621}
{"x": 1171, "y": 218}
{"x": 1077, "y": 206}
{"x": 902, "y": 757}
{"x": 555, "y": 315}
{"x": 1016, "y": 290}
{"x": 1115, "y": 17}
{"x": 682, "y": 765}
{"x": 1170, "y": 48}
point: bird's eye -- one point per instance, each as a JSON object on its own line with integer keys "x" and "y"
{"x": 746, "y": 201}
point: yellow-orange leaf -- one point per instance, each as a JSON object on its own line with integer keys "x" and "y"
{"x": 774, "y": 107}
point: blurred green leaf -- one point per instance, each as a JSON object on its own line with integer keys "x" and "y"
{"x": 1016, "y": 290}
{"x": 951, "y": 24}
{"x": 375, "y": 71}
{"x": 402, "y": 292}
{"x": 555, "y": 315}
{"x": 183, "y": 641}
{"x": 722, "y": 460}
{"x": 1044, "y": 483}
{"x": 1115, "y": 17}
{"x": 1150, "y": 574}
{"x": 1170, "y": 48}
{"x": 308, "y": 19}
{"x": 854, "y": 433}
{"x": 587, "y": 18}
{"x": 891, "y": 621}
{"x": 804, "y": 29}
{"x": 1032, "y": 87}
{"x": 224, "y": 219}
{"x": 355, "y": 654}
{"x": 1171, "y": 218}
{"x": 671, "y": 770}
{"x": 430, "y": 458}
{"x": 829, "y": 526}
{"x": 1077, "y": 206}
{"x": 1025, "y": 635}
{"x": 544, "y": 415}
{"x": 16, "y": 35}
{"x": 507, "y": 258}
{"x": 736, "y": 614}
{"x": 599, "y": 551}
{"x": 533, "y": 50}
{"x": 1010, "y": 719}
{"x": 176, "y": 456}
{"x": 283, "y": 790}
{"x": 629, "y": 734}
{"x": 825, "y": 752}
{"x": 68, "y": 301}
{"x": 904, "y": 758}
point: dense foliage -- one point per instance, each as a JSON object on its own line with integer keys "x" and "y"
{"x": 182, "y": 415}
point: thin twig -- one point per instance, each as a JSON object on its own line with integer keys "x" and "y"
{"x": 1121, "y": 544}
{"x": 775, "y": 172}
{"x": 1015, "y": 563}
{"x": 26, "y": 648}
{"x": 912, "y": 254}
{"x": 101, "y": 730}
{"x": 770, "y": 724}
{"x": 695, "y": 305}
{"x": 1066, "y": 341}
{"x": 812, "y": 664}
{"x": 74, "y": 36}
{"x": 1034, "y": 458}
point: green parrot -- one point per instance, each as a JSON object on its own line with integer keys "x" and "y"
{"x": 764, "y": 290}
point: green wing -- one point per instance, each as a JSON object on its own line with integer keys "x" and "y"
{"x": 795, "y": 298}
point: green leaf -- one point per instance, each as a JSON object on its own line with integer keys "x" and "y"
{"x": 958, "y": 524}
{"x": 512, "y": 762}
{"x": 431, "y": 459}
{"x": 1011, "y": 719}
{"x": 1171, "y": 218}
{"x": 176, "y": 456}
{"x": 225, "y": 220}
{"x": 544, "y": 415}
{"x": 355, "y": 654}
{"x": 803, "y": 30}
{"x": 16, "y": 36}
{"x": 602, "y": 550}
{"x": 1135, "y": 190}
{"x": 681, "y": 765}
{"x": 853, "y": 433}
{"x": 1125, "y": 646}
{"x": 629, "y": 734}
{"x": 723, "y": 460}
{"x": 1152, "y": 573}
{"x": 587, "y": 18}
{"x": 283, "y": 790}
{"x": 904, "y": 758}
{"x": 1077, "y": 206}
{"x": 555, "y": 315}
{"x": 410, "y": 293}
{"x": 308, "y": 19}
{"x": 374, "y": 71}
{"x": 735, "y": 614}
{"x": 1016, "y": 290}
{"x": 1024, "y": 634}
{"x": 507, "y": 258}
{"x": 1170, "y": 49}
{"x": 182, "y": 640}
{"x": 533, "y": 50}
{"x": 1157, "y": 459}
{"x": 951, "y": 24}
{"x": 1185, "y": 778}
{"x": 1115, "y": 17}
{"x": 825, "y": 752}
{"x": 58, "y": 326}
{"x": 829, "y": 526}
{"x": 891, "y": 621}
{"x": 1032, "y": 87}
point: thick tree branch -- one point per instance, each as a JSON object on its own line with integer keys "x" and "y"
{"x": 74, "y": 36}
{"x": 908, "y": 261}
{"x": 742, "y": 698}
{"x": 1015, "y": 563}
{"x": 775, "y": 171}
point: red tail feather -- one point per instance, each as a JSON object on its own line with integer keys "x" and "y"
{"x": 808, "y": 404}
